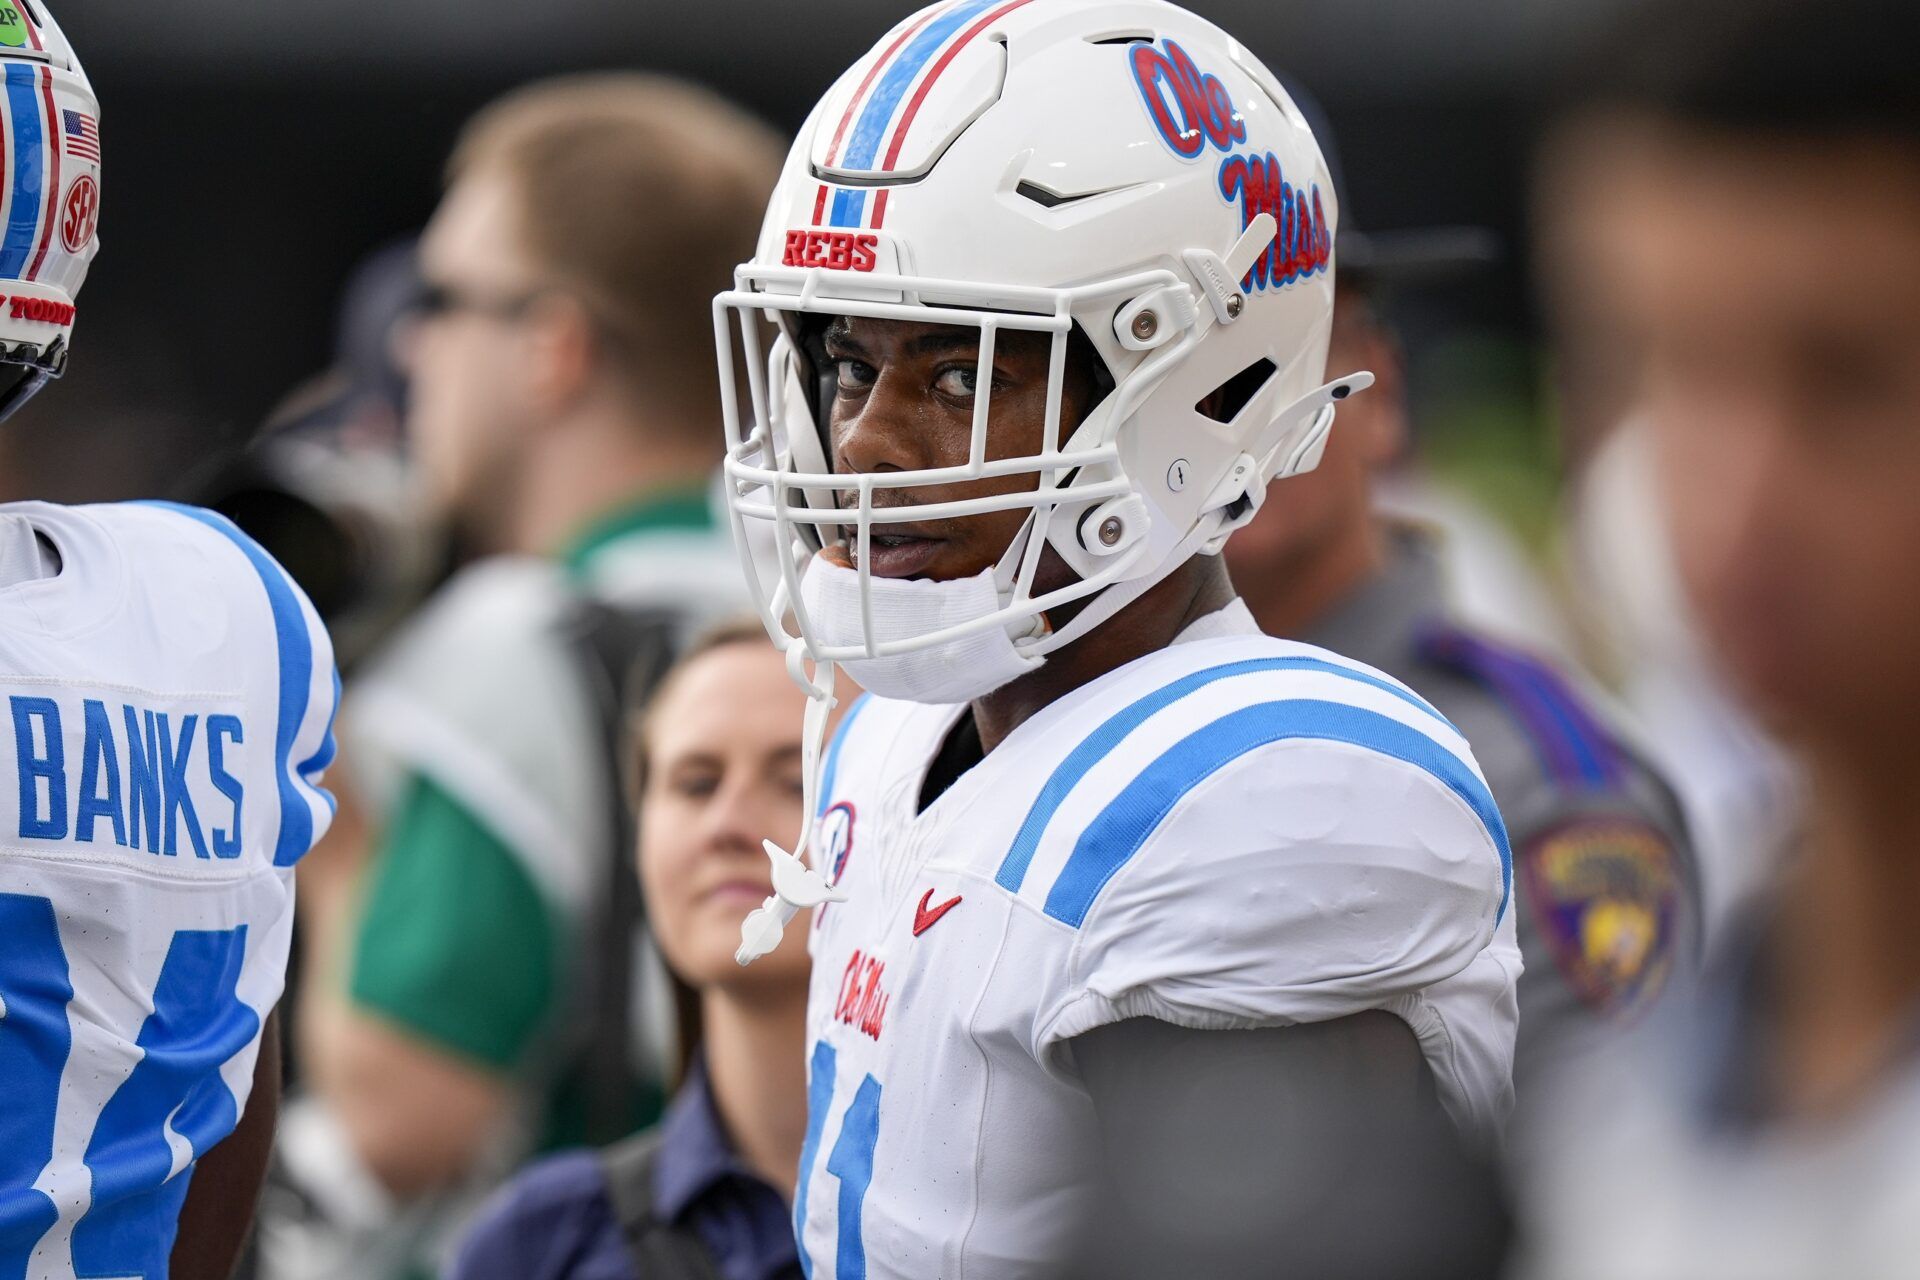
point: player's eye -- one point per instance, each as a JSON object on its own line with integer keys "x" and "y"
{"x": 957, "y": 381}
{"x": 852, "y": 375}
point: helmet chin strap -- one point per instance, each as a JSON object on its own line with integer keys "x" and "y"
{"x": 1112, "y": 599}
{"x": 796, "y": 885}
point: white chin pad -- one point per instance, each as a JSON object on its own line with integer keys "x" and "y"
{"x": 905, "y": 609}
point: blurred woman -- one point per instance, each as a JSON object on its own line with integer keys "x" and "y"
{"x": 706, "y": 1192}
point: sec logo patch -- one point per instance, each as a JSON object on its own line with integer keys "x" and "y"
{"x": 1605, "y": 893}
{"x": 82, "y": 213}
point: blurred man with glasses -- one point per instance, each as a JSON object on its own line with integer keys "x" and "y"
{"x": 561, "y": 419}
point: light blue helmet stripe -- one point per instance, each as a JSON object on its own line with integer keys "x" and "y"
{"x": 27, "y": 150}
{"x": 1098, "y": 744}
{"x": 863, "y": 146}
{"x": 1112, "y": 839}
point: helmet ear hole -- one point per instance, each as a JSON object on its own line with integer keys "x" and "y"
{"x": 1224, "y": 403}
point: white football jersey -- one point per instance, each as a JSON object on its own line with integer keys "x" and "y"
{"x": 1234, "y": 832}
{"x": 168, "y": 697}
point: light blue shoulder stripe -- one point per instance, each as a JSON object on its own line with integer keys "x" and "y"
{"x": 1098, "y": 744}
{"x": 296, "y": 679}
{"x": 323, "y": 755}
{"x": 1112, "y": 839}
{"x": 832, "y": 768}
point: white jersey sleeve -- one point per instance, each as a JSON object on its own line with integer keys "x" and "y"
{"x": 306, "y": 684}
{"x": 1316, "y": 880}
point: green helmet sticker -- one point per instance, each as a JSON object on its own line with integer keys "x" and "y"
{"x": 13, "y": 27}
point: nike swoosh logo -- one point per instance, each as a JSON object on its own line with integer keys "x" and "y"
{"x": 924, "y": 917}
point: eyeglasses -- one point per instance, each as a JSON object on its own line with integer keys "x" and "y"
{"x": 433, "y": 298}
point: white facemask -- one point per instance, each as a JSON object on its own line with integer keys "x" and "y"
{"x": 904, "y": 608}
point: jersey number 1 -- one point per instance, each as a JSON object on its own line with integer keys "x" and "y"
{"x": 173, "y": 1099}
{"x": 851, "y": 1161}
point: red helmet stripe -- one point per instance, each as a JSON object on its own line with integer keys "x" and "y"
{"x": 52, "y": 148}
{"x": 920, "y": 95}
{"x": 853, "y": 103}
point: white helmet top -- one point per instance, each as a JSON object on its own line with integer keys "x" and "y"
{"x": 1122, "y": 168}
{"x": 49, "y": 196}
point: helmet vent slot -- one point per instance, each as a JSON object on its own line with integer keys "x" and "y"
{"x": 1224, "y": 402}
{"x": 1133, "y": 35}
{"x": 1054, "y": 199}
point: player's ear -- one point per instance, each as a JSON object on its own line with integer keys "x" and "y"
{"x": 563, "y": 351}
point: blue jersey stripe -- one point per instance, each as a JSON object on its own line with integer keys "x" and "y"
{"x": 296, "y": 678}
{"x": 1112, "y": 839}
{"x": 863, "y": 145}
{"x": 1098, "y": 744}
{"x": 322, "y": 758}
{"x": 29, "y": 144}
{"x": 832, "y": 770}
{"x": 819, "y": 1098}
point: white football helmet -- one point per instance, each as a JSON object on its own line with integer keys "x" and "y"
{"x": 1117, "y": 167}
{"x": 1126, "y": 169}
{"x": 49, "y": 196}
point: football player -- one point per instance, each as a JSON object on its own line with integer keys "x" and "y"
{"x": 1108, "y": 883}
{"x": 168, "y": 694}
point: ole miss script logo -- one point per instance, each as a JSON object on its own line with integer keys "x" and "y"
{"x": 1192, "y": 111}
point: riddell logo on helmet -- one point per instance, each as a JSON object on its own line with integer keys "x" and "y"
{"x": 834, "y": 250}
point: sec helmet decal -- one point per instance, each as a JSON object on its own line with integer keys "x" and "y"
{"x": 82, "y": 213}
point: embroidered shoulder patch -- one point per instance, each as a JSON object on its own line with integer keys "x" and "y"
{"x": 1605, "y": 894}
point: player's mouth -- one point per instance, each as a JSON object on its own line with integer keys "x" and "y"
{"x": 898, "y": 555}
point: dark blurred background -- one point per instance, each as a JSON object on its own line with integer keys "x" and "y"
{"x": 255, "y": 151}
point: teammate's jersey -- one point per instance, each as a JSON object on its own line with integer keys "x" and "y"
{"x": 168, "y": 696}
{"x": 1234, "y": 832}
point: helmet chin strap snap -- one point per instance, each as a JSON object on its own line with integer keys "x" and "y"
{"x": 796, "y": 885}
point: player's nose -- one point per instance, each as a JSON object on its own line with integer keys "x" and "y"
{"x": 881, "y": 433}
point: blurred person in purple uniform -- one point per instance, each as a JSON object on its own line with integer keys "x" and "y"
{"x": 1604, "y": 875}
{"x": 1733, "y": 209}
{"x": 706, "y": 1193}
